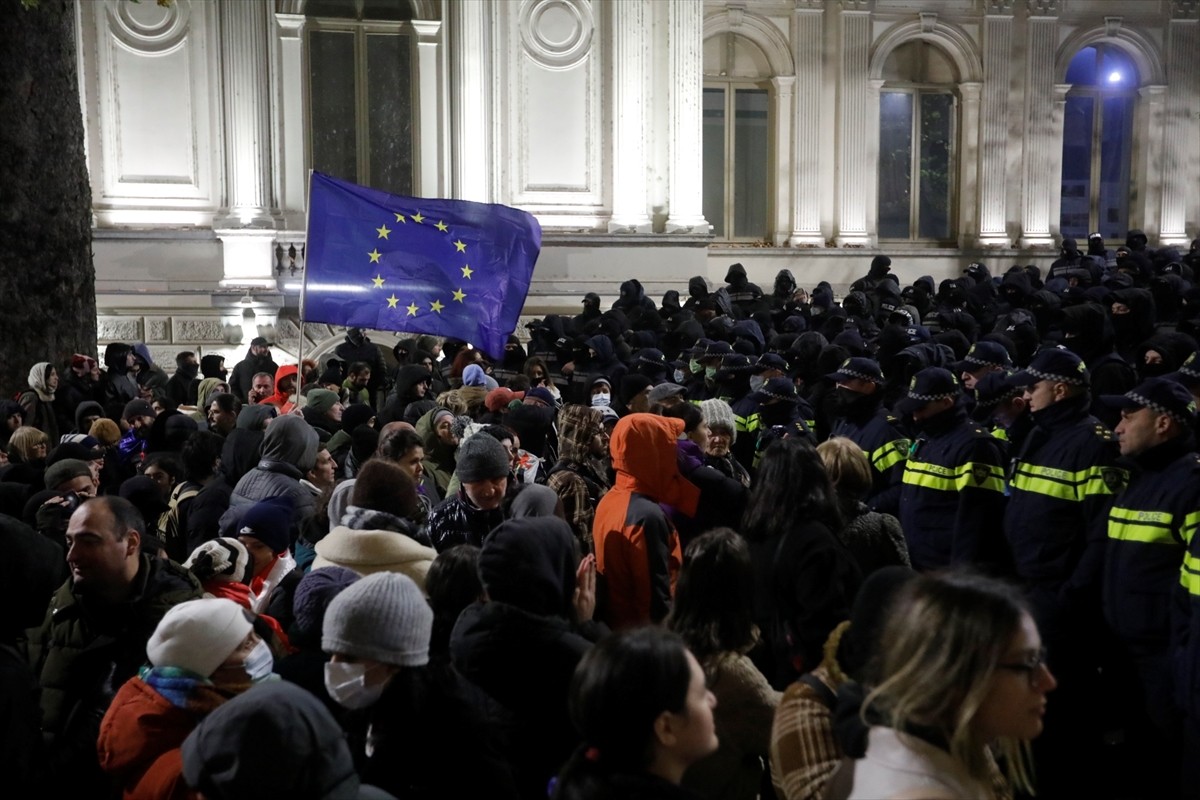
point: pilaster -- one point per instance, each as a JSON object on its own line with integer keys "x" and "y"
{"x": 289, "y": 121}
{"x": 430, "y": 155}
{"x": 630, "y": 212}
{"x": 245, "y": 71}
{"x": 968, "y": 163}
{"x": 993, "y": 128}
{"x": 781, "y": 97}
{"x": 855, "y": 178}
{"x": 1148, "y": 175}
{"x": 1040, "y": 142}
{"x": 808, "y": 35}
{"x": 1181, "y": 134}
{"x": 471, "y": 119}
{"x": 685, "y": 22}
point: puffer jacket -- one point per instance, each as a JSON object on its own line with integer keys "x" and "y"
{"x": 289, "y": 451}
{"x": 82, "y": 654}
{"x": 637, "y": 548}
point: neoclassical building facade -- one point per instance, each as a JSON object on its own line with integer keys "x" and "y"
{"x": 656, "y": 139}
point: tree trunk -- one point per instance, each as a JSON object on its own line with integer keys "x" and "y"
{"x": 47, "y": 281}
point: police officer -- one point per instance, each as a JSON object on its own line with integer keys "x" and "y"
{"x": 861, "y": 418}
{"x": 1061, "y": 485}
{"x": 953, "y": 493}
{"x": 1149, "y": 528}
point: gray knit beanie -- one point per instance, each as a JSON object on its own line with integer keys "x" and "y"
{"x": 383, "y": 617}
{"x": 481, "y": 458}
{"x": 717, "y": 413}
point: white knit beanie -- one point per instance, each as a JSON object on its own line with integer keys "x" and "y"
{"x": 198, "y": 635}
{"x": 717, "y": 412}
{"x": 382, "y": 617}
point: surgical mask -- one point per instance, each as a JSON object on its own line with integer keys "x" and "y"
{"x": 260, "y": 663}
{"x": 347, "y": 685}
{"x": 710, "y": 373}
{"x": 679, "y": 376}
{"x": 695, "y": 367}
{"x": 756, "y": 382}
{"x": 601, "y": 399}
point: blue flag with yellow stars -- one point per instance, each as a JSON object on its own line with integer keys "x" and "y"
{"x": 443, "y": 267}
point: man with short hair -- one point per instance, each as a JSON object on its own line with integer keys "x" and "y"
{"x": 258, "y": 360}
{"x": 94, "y": 635}
{"x": 355, "y": 385}
{"x": 262, "y": 388}
{"x": 1147, "y": 565}
{"x": 139, "y": 415}
{"x": 223, "y": 413}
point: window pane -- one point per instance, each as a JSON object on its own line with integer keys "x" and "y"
{"x": 390, "y": 113}
{"x": 1082, "y": 69}
{"x": 334, "y": 134}
{"x": 1077, "y": 167}
{"x": 895, "y": 164}
{"x": 1116, "y": 70}
{"x": 937, "y": 129}
{"x": 751, "y": 145}
{"x": 714, "y": 159}
{"x": 1115, "y": 138}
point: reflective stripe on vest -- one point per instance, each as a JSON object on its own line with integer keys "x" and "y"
{"x": 1189, "y": 574}
{"x": 889, "y": 455}
{"x": 954, "y": 479}
{"x": 1060, "y": 483}
{"x": 1150, "y": 527}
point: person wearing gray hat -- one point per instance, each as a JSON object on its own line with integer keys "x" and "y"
{"x": 665, "y": 395}
{"x": 1150, "y": 556}
{"x": 1061, "y": 485}
{"x": 952, "y": 499}
{"x": 484, "y": 468}
{"x": 405, "y": 712}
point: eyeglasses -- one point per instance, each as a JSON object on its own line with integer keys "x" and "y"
{"x": 1032, "y": 665}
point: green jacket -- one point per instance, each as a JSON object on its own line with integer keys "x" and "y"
{"x": 83, "y": 652}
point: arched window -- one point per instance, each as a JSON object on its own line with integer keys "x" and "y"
{"x": 1098, "y": 142}
{"x": 737, "y": 138}
{"x": 360, "y": 96}
{"x": 918, "y": 134}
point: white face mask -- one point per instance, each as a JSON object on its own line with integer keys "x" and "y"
{"x": 347, "y": 685}
{"x": 260, "y": 663}
{"x": 756, "y": 382}
{"x": 679, "y": 376}
{"x": 601, "y": 399}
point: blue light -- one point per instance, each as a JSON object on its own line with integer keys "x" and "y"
{"x": 1115, "y": 76}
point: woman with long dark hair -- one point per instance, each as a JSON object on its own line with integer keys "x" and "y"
{"x": 805, "y": 578}
{"x": 714, "y": 613}
{"x": 639, "y": 701}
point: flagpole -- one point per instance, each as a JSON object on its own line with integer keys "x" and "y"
{"x": 303, "y": 291}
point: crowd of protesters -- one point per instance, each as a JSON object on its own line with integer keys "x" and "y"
{"x": 933, "y": 540}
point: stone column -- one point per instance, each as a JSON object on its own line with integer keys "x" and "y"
{"x": 430, "y": 156}
{"x": 685, "y": 28}
{"x": 290, "y": 167}
{"x": 855, "y": 169}
{"x": 993, "y": 126}
{"x": 781, "y": 97}
{"x": 1041, "y": 179}
{"x": 470, "y": 95}
{"x": 808, "y": 36}
{"x": 630, "y": 212}
{"x": 1181, "y": 139}
{"x": 1147, "y": 174}
{"x": 968, "y": 165}
{"x": 245, "y": 69}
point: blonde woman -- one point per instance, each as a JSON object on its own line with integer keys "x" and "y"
{"x": 962, "y": 671}
{"x": 874, "y": 539}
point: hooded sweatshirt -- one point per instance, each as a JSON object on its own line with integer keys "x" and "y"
{"x": 637, "y": 547}
{"x": 289, "y": 451}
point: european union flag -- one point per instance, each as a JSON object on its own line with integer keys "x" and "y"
{"x": 444, "y": 267}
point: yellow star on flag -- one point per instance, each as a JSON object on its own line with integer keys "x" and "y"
{"x": 467, "y": 271}
{"x": 417, "y": 218}
{"x": 437, "y": 306}
{"x": 399, "y": 217}
{"x": 443, "y": 227}
{"x": 378, "y": 281}
{"x": 375, "y": 254}
{"x": 383, "y": 232}
{"x": 461, "y": 247}
{"x": 412, "y": 309}
{"x": 393, "y": 300}
{"x": 459, "y": 294}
